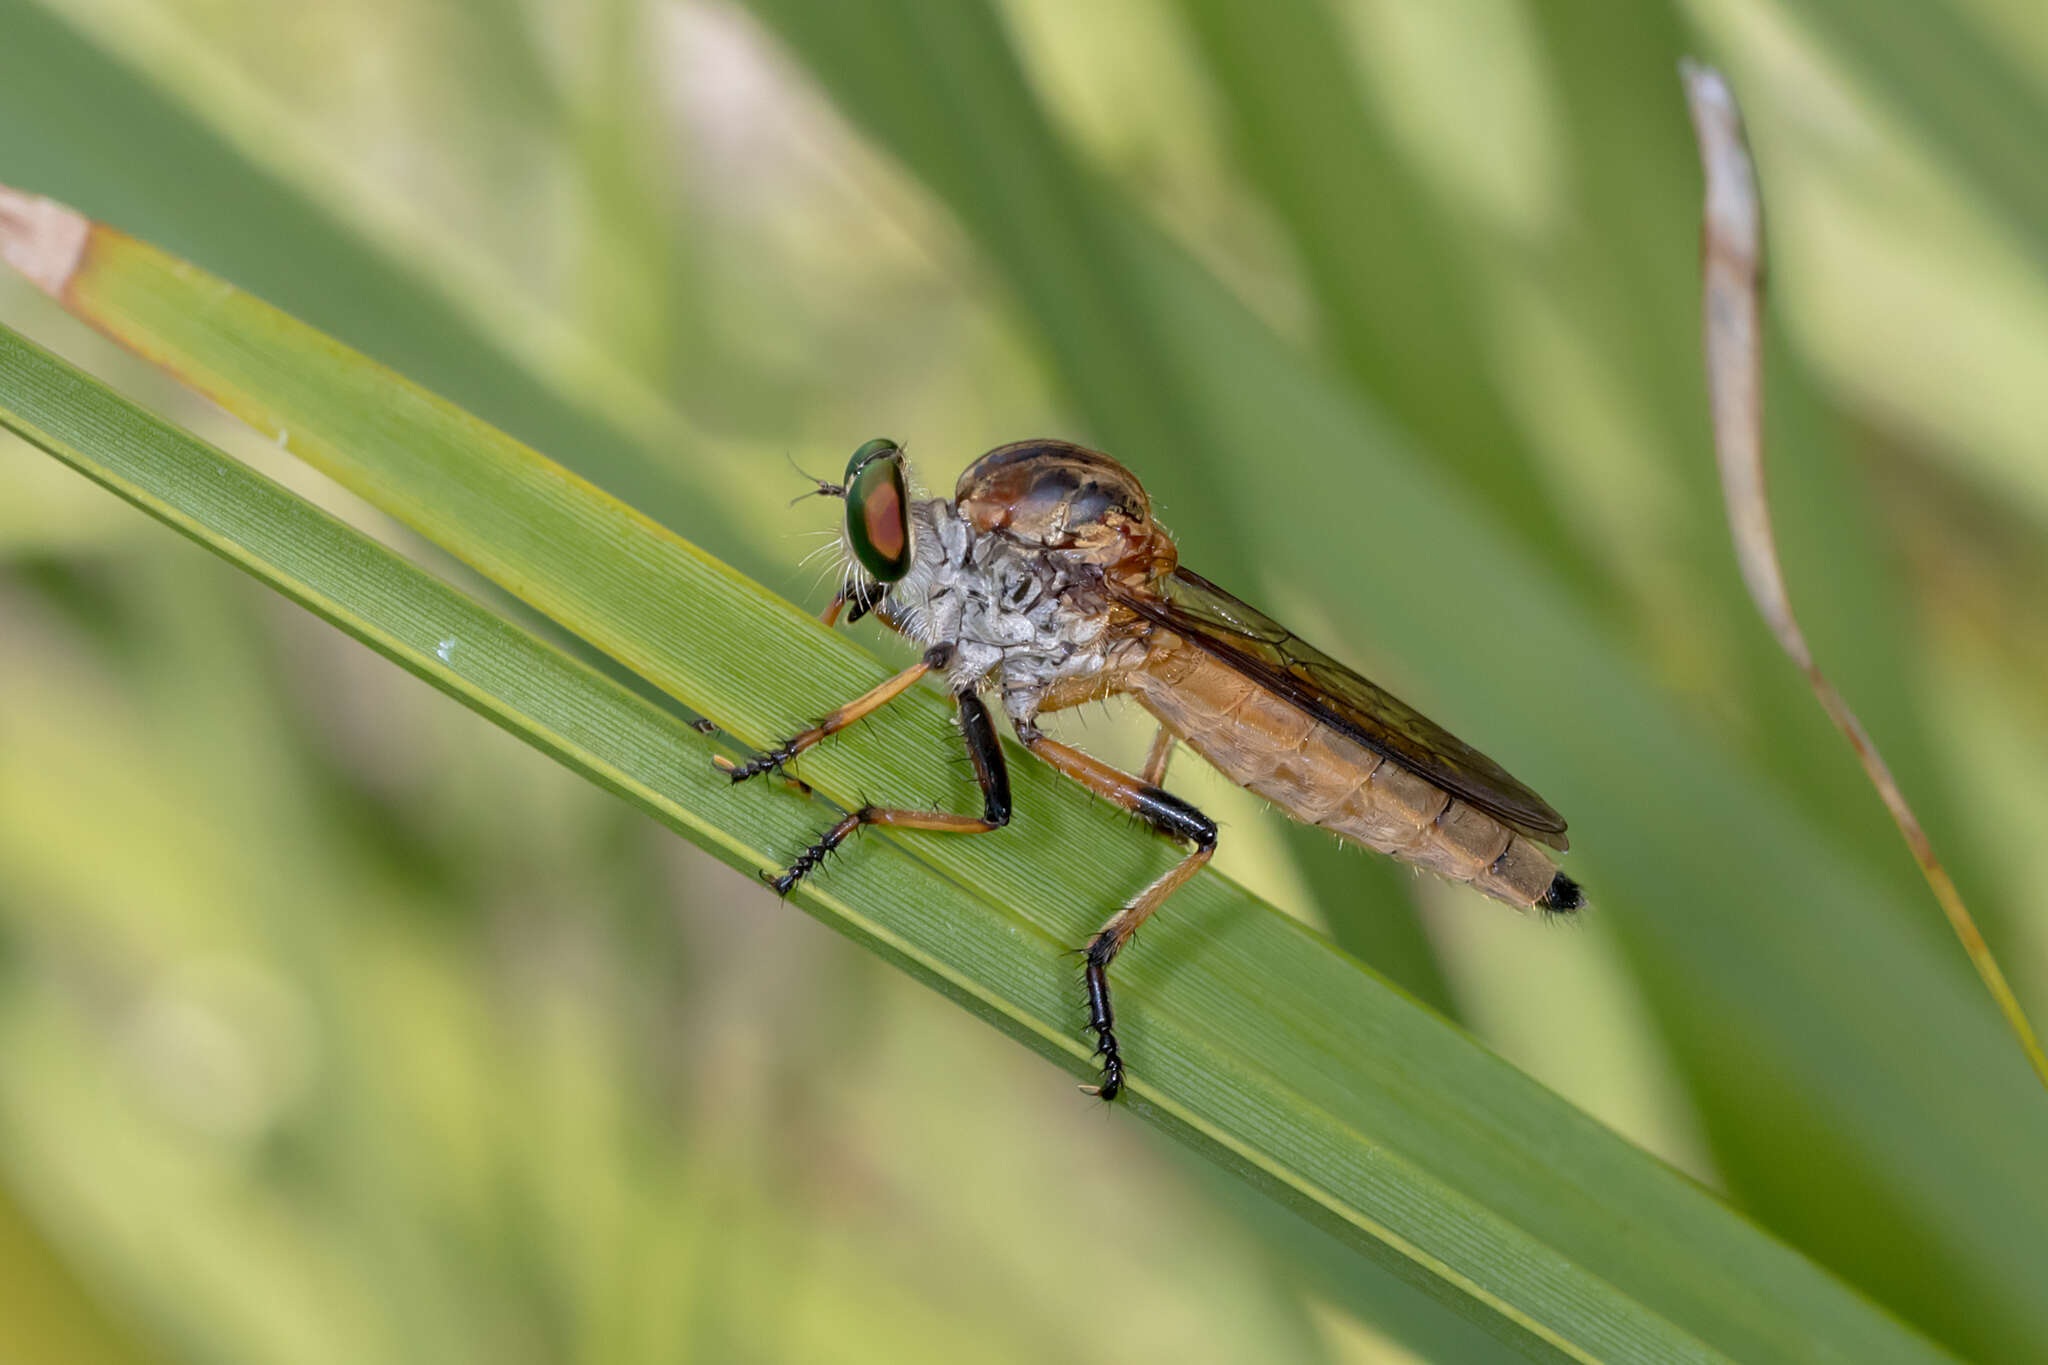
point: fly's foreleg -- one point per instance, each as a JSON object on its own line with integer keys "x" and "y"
{"x": 1167, "y": 814}
{"x": 775, "y": 756}
{"x": 860, "y": 594}
{"x": 984, "y": 751}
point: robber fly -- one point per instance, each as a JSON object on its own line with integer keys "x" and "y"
{"x": 1046, "y": 581}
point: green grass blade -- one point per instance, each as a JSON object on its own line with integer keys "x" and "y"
{"x": 1250, "y": 1037}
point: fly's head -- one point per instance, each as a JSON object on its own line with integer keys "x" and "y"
{"x": 1071, "y": 502}
{"x": 876, "y": 535}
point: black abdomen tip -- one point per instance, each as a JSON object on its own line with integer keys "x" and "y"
{"x": 1563, "y": 896}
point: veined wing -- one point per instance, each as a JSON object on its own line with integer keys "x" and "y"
{"x": 1273, "y": 656}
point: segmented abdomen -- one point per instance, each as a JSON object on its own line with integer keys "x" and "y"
{"x": 1322, "y": 777}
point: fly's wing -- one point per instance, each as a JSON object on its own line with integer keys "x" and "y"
{"x": 1273, "y": 656}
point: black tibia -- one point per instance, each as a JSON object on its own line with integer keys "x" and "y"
{"x": 985, "y": 752}
{"x": 1175, "y": 818}
{"x": 1164, "y": 812}
{"x": 990, "y": 771}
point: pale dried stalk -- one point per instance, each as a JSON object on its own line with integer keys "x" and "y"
{"x": 1731, "y": 250}
{"x": 41, "y": 238}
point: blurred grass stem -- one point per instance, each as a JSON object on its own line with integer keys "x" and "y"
{"x": 1731, "y": 254}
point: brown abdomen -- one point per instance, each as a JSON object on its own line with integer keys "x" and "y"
{"x": 1321, "y": 777}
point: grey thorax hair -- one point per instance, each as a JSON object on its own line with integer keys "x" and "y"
{"x": 1004, "y": 608}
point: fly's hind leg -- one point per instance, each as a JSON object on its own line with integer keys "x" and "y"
{"x": 984, "y": 750}
{"x": 1157, "y": 757}
{"x": 1167, "y": 814}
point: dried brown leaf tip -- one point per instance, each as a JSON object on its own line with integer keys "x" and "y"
{"x": 42, "y": 239}
{"x": 1731, "y": 268}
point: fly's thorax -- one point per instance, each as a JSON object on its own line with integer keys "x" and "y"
{"x": 1015, "y": 615}
{"x": 1067, "y": 500}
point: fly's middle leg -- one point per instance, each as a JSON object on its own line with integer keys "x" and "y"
{"x": 984, "y": 751}
{"x": 1165, "y": 813}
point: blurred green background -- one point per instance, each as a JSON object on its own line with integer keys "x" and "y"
{"x": 336, "y": 1025}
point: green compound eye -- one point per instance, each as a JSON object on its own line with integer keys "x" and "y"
{"x": 880, "y": 446}
{"x": 878, "y": 510}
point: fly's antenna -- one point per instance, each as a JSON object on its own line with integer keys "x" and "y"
{"x": 824, "y": 489}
